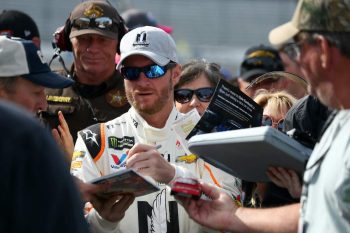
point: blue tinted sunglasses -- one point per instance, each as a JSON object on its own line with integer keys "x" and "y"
{"x": 151, "y": 71}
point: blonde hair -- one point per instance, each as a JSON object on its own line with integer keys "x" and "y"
{"x": 279, "y": 101}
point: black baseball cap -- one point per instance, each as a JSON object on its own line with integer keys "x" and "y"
{"x": 135, "y": 18}
{"x": 15, "y": 23}
{"x": 259, "y": 60}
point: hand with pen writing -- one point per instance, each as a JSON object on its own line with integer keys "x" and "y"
{"x": 147, "y": 160}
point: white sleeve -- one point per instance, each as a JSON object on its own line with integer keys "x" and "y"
{"x": 182, "y": 172}
{"x": 83, "y": 166}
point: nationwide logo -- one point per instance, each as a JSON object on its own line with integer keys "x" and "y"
{"x": 119, "y": 162}
{"x": 121, "y": 143}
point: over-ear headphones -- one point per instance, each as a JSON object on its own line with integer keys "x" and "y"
{"x": 61, "y": 36}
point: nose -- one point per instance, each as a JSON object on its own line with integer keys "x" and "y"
{"x": 93, "y": 44}
{"x": 194, "y": 101}
{"x": 142, "y": 79}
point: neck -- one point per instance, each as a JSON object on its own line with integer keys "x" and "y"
{"x": 159, "y": 119}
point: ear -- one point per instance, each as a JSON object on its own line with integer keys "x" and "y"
{"x": 36, "y": 41}
{"x": 176, "y": 71}
{"x": 3, "y": 93}
{"x": 325, "y": 52}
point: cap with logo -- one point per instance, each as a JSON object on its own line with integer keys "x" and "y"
{"x": 95, "y": 17}
{"x": 314, "y": 15}
{"x": 135, "y": 18}
{"x": 259, "y": 60}
{"x": 150, "y": 42}
{"x": 18, "y": 24}
{"x": 20, "y": 57}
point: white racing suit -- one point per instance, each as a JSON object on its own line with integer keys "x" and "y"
{"x": 100, "y": 150}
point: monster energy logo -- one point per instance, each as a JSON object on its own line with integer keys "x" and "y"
{"x": 121, "y": 143}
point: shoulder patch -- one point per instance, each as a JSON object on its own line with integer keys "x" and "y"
{"x": 92, "y": 139}
{"x": 59, "y": 99}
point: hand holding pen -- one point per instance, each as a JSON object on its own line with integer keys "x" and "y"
{"x": 147, "y": 160}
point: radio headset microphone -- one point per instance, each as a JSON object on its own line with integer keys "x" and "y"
{"x": 59, "y": 45}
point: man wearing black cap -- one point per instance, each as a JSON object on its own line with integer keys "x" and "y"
{"x": 258, "y": 60}
{"x": 93, "y": 31}
{"x": 135, "y": 18}
{"x": 18, "y": 24}
{"x": 263, "y": 59}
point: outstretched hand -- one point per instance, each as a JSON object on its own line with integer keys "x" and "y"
{"x": 286, "y": 179}
{"x": 218, "y": 213}
{"x": 147, "y": 160}
{"x": 63, "y": 137}
{"x": 112, "y": 208}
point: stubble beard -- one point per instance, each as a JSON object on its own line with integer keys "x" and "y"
{"x": 157, "y": 105}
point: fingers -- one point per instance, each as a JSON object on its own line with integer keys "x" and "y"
{"x": 286, "y": 179}
{"x": 63, "y": 121}
{"x": 56, "y": 136}
{"x": 210, "y": 190}
{"x": 103, "y": 205}
{"x": 113, "y": 209}
{"x": 124, "y": 203}
{"x": 138, "y": 155}
{"x": 138, "y": 147}
{"x": 284, "y": 175}
{"x": 275, "y": 177}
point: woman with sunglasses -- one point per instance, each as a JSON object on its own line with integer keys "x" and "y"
{"x": 275, "y": 105}
{"x": 196, "y": 85}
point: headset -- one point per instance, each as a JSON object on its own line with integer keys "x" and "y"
{"x": 61, "y": 41}
{"x": 61, "y": 38}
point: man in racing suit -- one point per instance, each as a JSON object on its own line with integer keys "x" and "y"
{"x": 149, "y": 66}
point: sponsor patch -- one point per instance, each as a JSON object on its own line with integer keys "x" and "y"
{"x": 187, "y": 158}
{"x": 76, "y": 165}
{"x": 121, "y": 143}
{"x": 78, "y": 154}
{"x": 119, "y": 161}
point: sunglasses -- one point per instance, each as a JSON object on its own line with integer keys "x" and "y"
{"x": 292, "y": 50}
{"x": 104, "y": 23}
{"x": 183, "y": 96}
{"x": 268, "y": 121}
{"x": 151, "y": 71}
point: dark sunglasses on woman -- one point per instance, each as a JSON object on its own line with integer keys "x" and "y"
{"x": 151, "y": 71}
{"x": 183, "y": 96}
{"x": 268, "y": 121}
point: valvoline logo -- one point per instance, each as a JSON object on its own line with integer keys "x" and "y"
{"x": 119, "y": 161}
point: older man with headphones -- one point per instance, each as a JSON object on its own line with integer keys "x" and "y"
{"x": 92, "y": 32}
